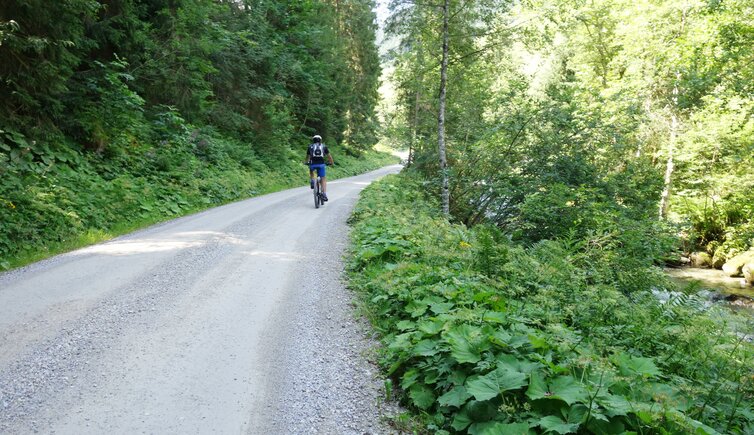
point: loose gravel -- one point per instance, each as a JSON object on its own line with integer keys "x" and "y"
{"x": 137, "y": 355}
{"x": 327, "y": 381}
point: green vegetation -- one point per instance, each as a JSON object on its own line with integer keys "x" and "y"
{"x": 561, "y": 112}
{"x": 578, "y": 146}
{"x": 81, "y": 199}
{"x": 588, "y": 144}
{"x": 488, "y": 335}
{"x": 116, "y": 114}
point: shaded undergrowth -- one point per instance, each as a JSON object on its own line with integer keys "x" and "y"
{"x": 60, "y": 197}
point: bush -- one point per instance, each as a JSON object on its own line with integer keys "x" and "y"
{"x": 59, "y": 197}
{"x": 723, "y": 228}
{"x": 104, "y": 114}
{"x": 486, "y": 335}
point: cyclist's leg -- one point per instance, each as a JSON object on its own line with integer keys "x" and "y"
{"x": 312, "y": 178}
{"x": 324, "y": 188}
{"x": 323, "y": 177}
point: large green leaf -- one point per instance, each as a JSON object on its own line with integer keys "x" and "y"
{"x": 441, "y": 308}
{"x": 568, "y": 389}
{"x": 565, "y": 388}
{"x": 490, "y": 385}
{"x": 538, "y": 341}
{"x": 552, "y": 423}
{"x": 457, "y": 396}
{"x": 430, "y": 327}
{"x": 576, "y": 413}
{"x": 537, "y": 386}
{"x": 615, "y": 405}
{"x": 610, "y": 427}
{"x": 501, "y": 338}
{"x": 426, "y": 348}
{"x": 522, "y": 365}
{"x": 498, "y": 428}
{"x": 630, "y": 365}
{"x": 461, "y": 421}
{"x": 401, "y": 341}
{"x": 457, "y": 377}
{"x": 481, "y": 411}
{"x": 518, "y": 341}
{"x": 409, "y": 378}
{"x": 422, "y": 396}
{"x": 482, "y": 387}
{"x": 405, "y": 325}
{"x": 466, "y": 344}
{"x": 415, "y": 308}
{"x": 494, "y": 317}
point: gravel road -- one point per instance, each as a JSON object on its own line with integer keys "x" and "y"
{"x": 233, "y": 320}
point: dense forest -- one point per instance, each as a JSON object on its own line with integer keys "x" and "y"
{"x": 562, "y": 152}
{"x": 565, "y": 152}
{"x": 587, "y": 113}
{"x": 116, "y": 113}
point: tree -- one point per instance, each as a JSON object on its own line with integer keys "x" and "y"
{"x": 426, "y": 56}
{"x": 441, "y": 113}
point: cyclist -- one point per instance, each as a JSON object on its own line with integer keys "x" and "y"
{"x": 315, "y": 158}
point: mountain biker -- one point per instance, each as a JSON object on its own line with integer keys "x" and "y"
{"x": 315, "y": 158}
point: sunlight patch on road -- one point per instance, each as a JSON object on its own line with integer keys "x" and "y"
{"x": 142, "y": 246}
{"x": 277, "y": 255}
{"x": 138, "y": 247}
{"x": 359, "y": 183}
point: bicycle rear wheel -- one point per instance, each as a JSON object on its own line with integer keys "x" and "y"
{"x": 317, "y": 197}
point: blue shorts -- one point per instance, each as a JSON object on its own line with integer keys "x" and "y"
{"x": 320, "y": 169}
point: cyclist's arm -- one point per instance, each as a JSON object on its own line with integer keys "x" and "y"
{"x": 329, "y": 158}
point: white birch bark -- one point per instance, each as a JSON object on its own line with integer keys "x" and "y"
{"x": 669, "y": 167}
{"x": 441, "y": 115}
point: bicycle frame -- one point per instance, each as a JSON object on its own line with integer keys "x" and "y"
{"x": 318, "y": 194}
{"x": 318, "y": 200}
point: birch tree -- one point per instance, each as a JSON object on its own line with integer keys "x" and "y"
{"x": 441, "y": 114}
{"x": 440, "y": 45}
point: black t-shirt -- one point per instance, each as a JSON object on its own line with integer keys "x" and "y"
{"x": 315, "y": 159}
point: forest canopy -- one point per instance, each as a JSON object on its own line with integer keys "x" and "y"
{"x": 569, "y": 116}
{"x": 116, "y": 111}
{"x": 565, "y": 153}
{"x": 261, "y": 71}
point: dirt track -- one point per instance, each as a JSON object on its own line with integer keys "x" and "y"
{"x": 233, "y": 320}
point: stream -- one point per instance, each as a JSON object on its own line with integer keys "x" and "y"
{"x": 721, "y": 288}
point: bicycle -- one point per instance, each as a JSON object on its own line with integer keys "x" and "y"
{"x": 319, "y": 196}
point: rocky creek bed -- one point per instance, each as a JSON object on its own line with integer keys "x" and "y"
{"x": 711, "y": 279}
{"x": 717, "y": 288}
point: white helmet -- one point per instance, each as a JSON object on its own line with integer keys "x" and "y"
{"x": 317, "y": 138}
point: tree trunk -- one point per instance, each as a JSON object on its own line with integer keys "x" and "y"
{"x": 441, "y": 115}
{"x": 665, "y": 198}
{"x": 417, "y": 100}
{"x": 670, "y": 165}
{"x": 412, "y": 143}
